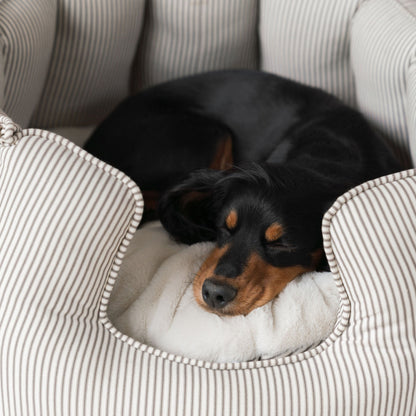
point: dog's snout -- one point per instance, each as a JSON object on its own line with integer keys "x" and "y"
{"x": 216, "y": 294}
{"x": 231, "y": 264}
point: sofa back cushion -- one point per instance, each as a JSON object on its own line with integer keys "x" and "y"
{"x": 27, "y": 30}
{"x": 383, "y": 57}
{"x": 363, "y": 52}
{"x": 184, "y": 37}
{"x": 89, "y": 70}
{"x": 308, "y": 41}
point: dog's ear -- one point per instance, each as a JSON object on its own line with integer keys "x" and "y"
{"x": 188, "y": 211}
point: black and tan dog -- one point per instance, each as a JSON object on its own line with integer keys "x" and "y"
{"x": 293, "y": 148}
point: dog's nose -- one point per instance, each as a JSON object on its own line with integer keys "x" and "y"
{"x": 216, "y": 294}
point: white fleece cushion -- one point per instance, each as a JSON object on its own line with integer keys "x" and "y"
{"x": 156, "y": 282}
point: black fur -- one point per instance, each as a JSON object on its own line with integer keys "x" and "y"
{"x": 295, "y": 148}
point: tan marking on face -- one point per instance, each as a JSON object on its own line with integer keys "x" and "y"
{"x": 259, "y": 283}
{"x": 273, "y": 232}
{"x": 231, "y": 220}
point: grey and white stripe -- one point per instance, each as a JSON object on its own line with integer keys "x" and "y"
{"x": 70, "y": 62}
{"x": 65, "y": 222}
{"x": 383, "y": 51}
{"x": 185, "y": 37}
{"x": 26, "y": 38}
{"x": 411, "y": 109}
{"x": 90, "y": 66}
{"x": 309, "y": 41}
{"x": 10, "y": 132}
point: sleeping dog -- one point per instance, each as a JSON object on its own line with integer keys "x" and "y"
{"x": 274, "y": 154}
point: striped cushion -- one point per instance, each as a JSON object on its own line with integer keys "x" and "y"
{"x": 369, "y": 237}
{"x": 95, "y": 43}
{"x": 26, "y": 37}
{"x": 309, "y": 41}
{"x": 89, "y": 72}
{"x": 183, "y": 37}
{"x": 383, "y": 54}
{"x": 65, "y": 221}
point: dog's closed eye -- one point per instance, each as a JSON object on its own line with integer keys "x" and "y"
{"x": 280, "y": 245}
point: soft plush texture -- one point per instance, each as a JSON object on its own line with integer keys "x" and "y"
{"x": 160, "y": 309}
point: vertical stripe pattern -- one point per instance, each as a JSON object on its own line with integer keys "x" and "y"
{"x": 411, "y": 108}
{"x": 308, "y": 41}
{"x": 27, "y": 32}
{"x": 383, "y": 51}
{"x": 89, "y": 72}
{"x": 78, "y": 59}
{"x": 65, "y": 222}
{"x": 185, "y": 37}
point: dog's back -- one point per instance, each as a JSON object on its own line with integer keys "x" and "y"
{"x": 267, "y": 116}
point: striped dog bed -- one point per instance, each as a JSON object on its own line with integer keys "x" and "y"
{"x": 66, "y": 218}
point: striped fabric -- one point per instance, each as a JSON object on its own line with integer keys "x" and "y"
{"x": 183, "y": 37}
{"x": 320, "y": 43}
{"x": 383, "y": 55}
{"x": 65, "y": 222}
{"x": 409, "y": 5}
{"x": 89, "y": 72}
{"x": 27, "y": 31}
{"x": 308, "y": 41}
{"x": 10, "y": 132}
{"x": 411, "y": 109}
{"x": 369, "y": 237}
{"x": 66, "y": 218}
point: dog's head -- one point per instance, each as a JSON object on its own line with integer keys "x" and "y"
{"x": 266, "y": 227}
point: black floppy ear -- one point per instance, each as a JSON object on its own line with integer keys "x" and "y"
{"x": 188, "y": 211}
